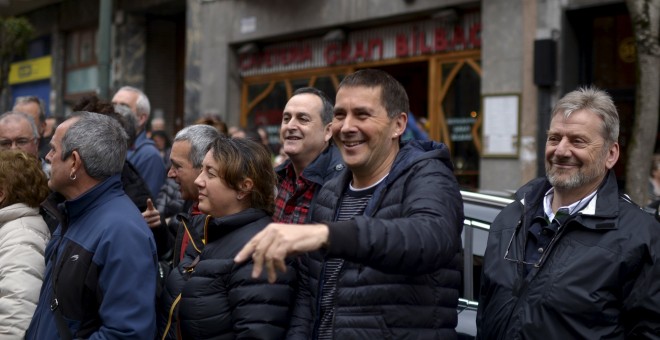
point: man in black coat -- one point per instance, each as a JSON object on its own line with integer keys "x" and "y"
{"x": 572, "y": 257}
{"x": 381, "y": 261}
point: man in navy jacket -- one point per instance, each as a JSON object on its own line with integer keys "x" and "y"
{"x": 100, "y": 280}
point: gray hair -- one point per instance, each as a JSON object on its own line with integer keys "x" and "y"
{"x": 142, "y": 104}
{"x": 130, "y": 120}
{"x": 596, "y": 101}
{"x": 36, "y": 100}
{"x": 15, "y": 115}
{"x": 100, "y": 141}
{"x": 328, "y": 107}
{"x": 200, "y": 137}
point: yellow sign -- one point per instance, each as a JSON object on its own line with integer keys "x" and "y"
{"x": 30, "y": 70}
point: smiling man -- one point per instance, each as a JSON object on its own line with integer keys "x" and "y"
{"x": 382, "y": 262}
{"x": 313, "y": 159}
{"x": 573, "y": 257}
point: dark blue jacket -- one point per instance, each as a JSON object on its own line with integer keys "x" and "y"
{"x": 146, "y": 158}
{"x": 401, "y": 275}
{"x": 102, "y": 260}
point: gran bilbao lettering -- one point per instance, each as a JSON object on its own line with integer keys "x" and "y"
{"x": 416, "y": 42}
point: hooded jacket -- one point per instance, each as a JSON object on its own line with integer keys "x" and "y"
{"x": 600, "y": 279}
{"x": 401, "y": 275}
{"x": 102, "y": 261}
{"x": 23, "y": 238}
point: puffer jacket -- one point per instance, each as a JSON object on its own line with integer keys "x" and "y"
{"x": 600, "y": 279}
{"x": 210, "y": 297}
{"x": 400, "y": 278}
{"x": 23, "y": 238}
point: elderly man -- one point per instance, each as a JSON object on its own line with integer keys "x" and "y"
{"x": 18, "y": 131}
{"x": 312, "y": 160}
{"x": 144, "y": 155}
{"x": 100, "y": 278}
{"x": 381, "y": 264}
{"x": 188, "y": 151}
{"x": 33, "y": 106}
{"x": 572, "y": 257}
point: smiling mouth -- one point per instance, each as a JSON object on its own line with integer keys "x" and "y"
{"x": 352, "y": 144}
{"x": 293, "y": 138}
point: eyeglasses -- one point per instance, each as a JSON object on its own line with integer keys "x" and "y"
{"x": 6, "y": 144}
{"x": 509, "y": 257}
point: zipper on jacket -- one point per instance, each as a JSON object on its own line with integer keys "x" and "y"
{"x": 170, "y": 316}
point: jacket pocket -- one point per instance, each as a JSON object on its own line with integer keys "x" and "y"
{"x": 361, "y": 325}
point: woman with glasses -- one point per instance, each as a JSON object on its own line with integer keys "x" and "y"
{"x": 23, "y": 238}
{"x": 210, "y": 296}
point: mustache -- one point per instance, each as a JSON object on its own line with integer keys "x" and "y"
{"x": 564, "y": 161}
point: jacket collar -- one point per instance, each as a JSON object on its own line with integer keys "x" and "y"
{"x": 601, "y": 213}
{"x": 217, "y": 228}
{"x": 326, "y": 165}
{"x": 102, "y": 192}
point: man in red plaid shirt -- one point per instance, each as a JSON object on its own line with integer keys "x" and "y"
{"x": 313, "y": 160}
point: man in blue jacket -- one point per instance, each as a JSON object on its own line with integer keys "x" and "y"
{"x": 100, "y": 280}
{"x": 382, "y": 260}
{"x": 144, "y": 155}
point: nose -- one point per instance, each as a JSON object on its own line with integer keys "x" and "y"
{"x": 199, "y": 182}
{"x": 563, "y": 148}
{"x": 347, "y": 124}
{"x": 170, "y": 172}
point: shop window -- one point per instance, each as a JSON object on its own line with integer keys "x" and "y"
{"x": 81, "y": 72}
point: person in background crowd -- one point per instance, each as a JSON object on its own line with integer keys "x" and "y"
{"x": 384, "y": 263}
{"x": 312, "y": 159}
{"x": 157, "y": 124}
{"x": 101, "y": 261}
{"x": 33, "y": 106}
{"x": 23, "y": 238}
{"x": 164, "y": 145}
{"x": 18, "y": 131}
{"x": 215, "y": 121}
{"x": 216, "y": 297}
{"x": 654, "y": 183}
{"x": 573, "y": 257}
{"x": 144, "y": 155}
{"x": 51, "y": 124}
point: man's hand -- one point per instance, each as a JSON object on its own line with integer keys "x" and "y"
{"x": 271, "y": 246}
{"x": 151, "y": 215}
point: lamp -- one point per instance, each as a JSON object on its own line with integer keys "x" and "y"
{"x": 248, "y": 48}
{"x": 336, "y": 34}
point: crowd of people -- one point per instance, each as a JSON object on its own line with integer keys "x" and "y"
{"x": 112, "y": 231}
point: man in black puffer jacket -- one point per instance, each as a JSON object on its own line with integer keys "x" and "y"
{"x": 383, "y": 263}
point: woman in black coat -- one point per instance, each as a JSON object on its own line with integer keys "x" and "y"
{"x": 208, "y": 295}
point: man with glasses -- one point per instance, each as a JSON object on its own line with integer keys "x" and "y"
{"x": 18, "y": 131}
{"x": 572, "y": 257}
{"x": 33, "y": 106}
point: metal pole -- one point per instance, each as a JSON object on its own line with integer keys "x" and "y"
{"x": 105, "y": 23}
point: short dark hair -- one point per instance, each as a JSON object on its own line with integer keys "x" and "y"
{"x": 241, "y": 158}
{"x": 393, "y": 96}
{"x": 328, "y": 106}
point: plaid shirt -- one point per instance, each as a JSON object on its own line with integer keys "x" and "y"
{"x": 294, "y": 197}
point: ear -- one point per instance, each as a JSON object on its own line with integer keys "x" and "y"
{"x": 400, "y": 123}
{"x": 327, "y": 132}
{"x": 76, "y": 161}
{"x": 612, "y": 155}
{"x": 247, "y": 185}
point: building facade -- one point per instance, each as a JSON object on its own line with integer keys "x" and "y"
{"x": 484, "y": 75}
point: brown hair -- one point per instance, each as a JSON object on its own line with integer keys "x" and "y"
{"x": 22, "y": 179}
{"x": 242, "y": 158}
